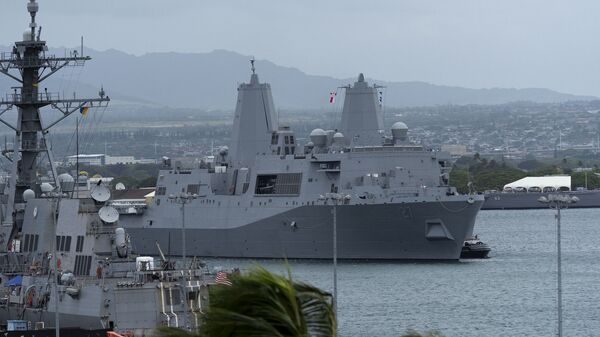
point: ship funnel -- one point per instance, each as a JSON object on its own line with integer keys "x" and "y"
{"x": 254, "y": 123}
{"x": 362, "y": 119}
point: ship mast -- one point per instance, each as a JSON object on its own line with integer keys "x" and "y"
{"x": 29, "y": 65}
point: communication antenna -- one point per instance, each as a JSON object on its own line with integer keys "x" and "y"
{"x": 108, "y": 214}
{"x": 100, "y": 193}
{"x": 30, "y": 66}
{"x": 252, "y": 65}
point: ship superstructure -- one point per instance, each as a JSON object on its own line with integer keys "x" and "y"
{"x": 63, "y": 252}
{"x": 267, "y": 197}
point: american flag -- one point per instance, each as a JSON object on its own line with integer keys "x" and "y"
{"x": 221, "y": 278}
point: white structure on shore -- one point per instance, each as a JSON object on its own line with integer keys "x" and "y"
{"x": 104, "y": 159}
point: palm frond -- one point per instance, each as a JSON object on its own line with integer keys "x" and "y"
{"x": 260, "y": 303}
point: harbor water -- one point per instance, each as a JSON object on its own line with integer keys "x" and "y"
{"x": 513, "y": 293}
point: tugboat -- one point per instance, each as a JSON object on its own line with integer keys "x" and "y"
{"x": 473, "y": 248}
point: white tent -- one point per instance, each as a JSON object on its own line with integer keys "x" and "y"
{"x": 547, "y": 183}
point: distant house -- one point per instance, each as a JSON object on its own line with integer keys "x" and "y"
{"x": 100, "y": 159}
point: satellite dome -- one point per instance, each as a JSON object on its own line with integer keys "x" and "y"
{"x": 27, "y": 35}
{"x": 66, "y": 182}
{"x": 223, "y": 150}
{"x": 318, "y": 132}
{"x": 46, "y": 187}
{"x": 120, "y": 186}
{"x": 28, "y": 194}
{"x": 338, "y": 138}
{"x": 65, "y": 177}
{"x": 32, "y": 7}
{"x": 399, "y": 126}
{"x": 399, "y": 131}
{"x": 318, "y": 137}
{"x": 310, "y": 144}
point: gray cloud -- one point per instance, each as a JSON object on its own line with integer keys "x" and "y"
{"x": 472, "y": 43}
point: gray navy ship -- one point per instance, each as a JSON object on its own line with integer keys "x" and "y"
{"x": 269, "y": 197}
{"x": 64, "y": 259}
{"x": 524, "y": 194}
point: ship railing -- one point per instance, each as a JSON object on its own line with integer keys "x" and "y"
{"x": 145, "y": 276}
{"x": 39, "y": 97}
{"x": 12, "y": 61}
{"x": 28, "y": 268}
{"x": 37, "y": 145}
{"x": 404, "y": 148}
{"x": 6, "y": 56}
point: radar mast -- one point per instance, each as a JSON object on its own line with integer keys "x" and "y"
{"x": 29, "y": 65}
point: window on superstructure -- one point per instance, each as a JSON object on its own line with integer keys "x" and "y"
{"x": 287, "y": 150}
{"x": 193, "y": 188}
{"x": 287, "y": 140}
{"x": 292, "y": 140}
{"x": 265, "y": 184}
{"x": 26, "y": 243}
{"x": 63, "y": 243}
{"x": 83, "y": 264}
{"x": 278, "y": 184}
{"x": 161, "y": 190}
{"x": 68, "y": 244}
{"x": 79, "y": 244}
{"x": 274, "y": 138}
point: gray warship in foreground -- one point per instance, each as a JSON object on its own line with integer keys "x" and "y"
{"x": 62, "y": 250}
{"x": 270, "y": 197}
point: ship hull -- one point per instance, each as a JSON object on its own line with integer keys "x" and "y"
{"x": 393, "y": 231}
{"x": 587, "y": 199}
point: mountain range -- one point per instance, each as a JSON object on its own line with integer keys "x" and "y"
{"x": 209, "y": 81}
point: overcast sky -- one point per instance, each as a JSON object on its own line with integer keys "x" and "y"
{"x": 471, "y": 43}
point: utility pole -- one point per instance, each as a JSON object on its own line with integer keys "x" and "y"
{"x": 558, "y": 201}
{"x": 182, "y": 199}
{"x": 335, "y": 198}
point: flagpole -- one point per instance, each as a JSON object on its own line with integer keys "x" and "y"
{"x": 77, "y": 156}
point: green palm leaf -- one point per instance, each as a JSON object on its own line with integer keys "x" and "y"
{"x": 261, "y": 304}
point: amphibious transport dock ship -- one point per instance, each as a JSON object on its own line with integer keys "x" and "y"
{"x": 524, "y": 194}
{"x": 269, "y": 197}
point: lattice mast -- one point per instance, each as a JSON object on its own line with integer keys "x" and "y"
{"x": 29, "y": 65}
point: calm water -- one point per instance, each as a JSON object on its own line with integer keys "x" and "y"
{"x": 511, "y": 294}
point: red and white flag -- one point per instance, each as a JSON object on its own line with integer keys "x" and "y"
{"x": 332, "y": 97}
{"x": 221, "y": 278}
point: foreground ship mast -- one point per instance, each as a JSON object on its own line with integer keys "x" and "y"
{"x": 29, "y": 65}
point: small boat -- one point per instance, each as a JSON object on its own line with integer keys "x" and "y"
{"x": 473, "y": 248}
